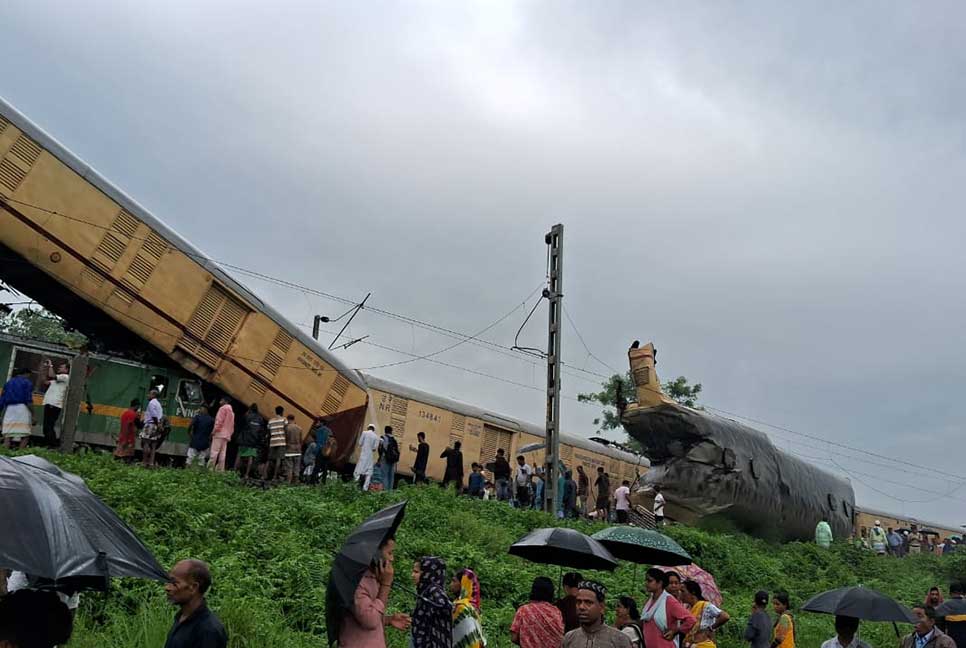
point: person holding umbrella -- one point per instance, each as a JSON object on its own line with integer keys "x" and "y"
{"x": 846, "y": 629}
{"x": 364, "y": 625}
{"x": 926, "y": 634}
{"x": 592, "y": 631}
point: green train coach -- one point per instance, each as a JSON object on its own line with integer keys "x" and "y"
{"x": 112, "y": 383}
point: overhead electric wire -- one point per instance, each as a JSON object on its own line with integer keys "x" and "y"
{"x": 465, "y": 338}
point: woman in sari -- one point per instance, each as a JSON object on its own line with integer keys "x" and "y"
{"x": 432, "y": 620}
{"x": 707, "y": 617}
{"x": 783, "y": 634}
{"x": 538, "y": 624}
{"x": 467, "y": 627}
{"x": 663, "y": 616}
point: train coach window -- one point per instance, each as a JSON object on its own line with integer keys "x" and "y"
{"x": 189, "y": 391}
{"x": 752, "y": 469}
{"x": 831, "y": 502}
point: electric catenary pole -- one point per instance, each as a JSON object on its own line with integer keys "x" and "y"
{"x": 554, "y": 293}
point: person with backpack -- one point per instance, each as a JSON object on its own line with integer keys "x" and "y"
{"x": 388, "y": 458}
{"x": 628, "y": 621}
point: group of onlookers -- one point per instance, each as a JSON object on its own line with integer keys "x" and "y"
{"x": 17, "y": 399}
{"x": 900, "y": 543}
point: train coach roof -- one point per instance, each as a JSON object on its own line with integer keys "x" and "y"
{"x": 84, "y": 170}
{"x": 487, "y": 416}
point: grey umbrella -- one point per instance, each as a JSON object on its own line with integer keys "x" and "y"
{"x": 61, "y": 534}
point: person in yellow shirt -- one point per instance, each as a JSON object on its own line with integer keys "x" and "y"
{"x": 783, "y": 635}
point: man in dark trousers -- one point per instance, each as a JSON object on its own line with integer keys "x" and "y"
{"x": 454, "y": 466}
{"x": 501, "y": 476}
{"x": 422, "y": 459}
{"x": 195, "y": 626}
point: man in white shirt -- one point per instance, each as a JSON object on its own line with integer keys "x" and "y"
{"x": 845, "y": 630}
{"x": 368, "y": 441}
{"x": 151, "y": 432}
{"x": 54, "y": 399}
{"x": 522, "y": 482}
{"x": 658, "y": 506}
{"x": 622, "y": 497}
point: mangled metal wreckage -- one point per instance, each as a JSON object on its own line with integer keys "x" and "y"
{"x": 710, "y": 467}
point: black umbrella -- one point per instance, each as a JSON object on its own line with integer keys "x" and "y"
{"x": 564, "y": 547}
{"x": 952, "y": 607}
{"x": 352, "y": 561}
{"x": 61, "y": 534}
{"x": 861, "y": 603}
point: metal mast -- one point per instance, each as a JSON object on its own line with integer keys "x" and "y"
{"x": 555, "y": 295}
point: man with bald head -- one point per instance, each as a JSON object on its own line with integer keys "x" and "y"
{"x": 195, "y": 626}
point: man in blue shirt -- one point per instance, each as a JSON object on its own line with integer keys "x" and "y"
{"x": 322, "y": 434}
{"x": 16, "y": 401}
{"x": 200, "y": 430}
{"x": 195, "y": 626}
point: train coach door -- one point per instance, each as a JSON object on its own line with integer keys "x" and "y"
{"x": 493, "y": 439}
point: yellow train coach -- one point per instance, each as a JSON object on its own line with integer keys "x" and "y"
{"x": 481, "y": 432}
{"x": 88, "y": 252}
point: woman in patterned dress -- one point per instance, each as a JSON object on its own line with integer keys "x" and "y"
{"x": 467, "y": 627}
{"x": 539, "y": 623}
{"x": 432, "y": 620}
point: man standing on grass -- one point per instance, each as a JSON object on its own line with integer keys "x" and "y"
{"x": 151, "y": 432}
{"x": 422, "y": 459}
{"x": 223, "y": 431}
{"x": 454, "y": 466}
{"x": 250, "y": 440}
{"x": 592, "y": 631}
{"x": 622, "y": 502}
{"x": 522, "y": 482}
{"x": 276, "y": 444}
{"x": 501, "y": 475}
{"x": 195, "y": 626}
{"x": 583, "y": 487}
{"x": 200, "y": 429}
{"x": 388, "y": 458}
{"x": 293, "y": 448}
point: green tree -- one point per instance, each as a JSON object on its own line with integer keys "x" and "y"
{"x": 40, "y": 325}
{"x": 618, "y": 390}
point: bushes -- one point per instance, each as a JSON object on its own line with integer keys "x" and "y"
{"x": 270, "y": 553}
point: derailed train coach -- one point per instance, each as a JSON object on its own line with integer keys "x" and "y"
{"x": 711, "y": 467}
{"x": 86, "y": 251}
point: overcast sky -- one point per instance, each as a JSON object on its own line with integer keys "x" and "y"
{"x": 771, "y": 193}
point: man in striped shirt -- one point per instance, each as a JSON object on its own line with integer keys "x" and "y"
{"x": 276, "y": 444}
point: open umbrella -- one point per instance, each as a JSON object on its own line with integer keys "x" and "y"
{"x": 861, "y": 603}
{"x": 709, "y": 588}
{"x": 563, "y": 547}
{"x": 642, "y": 546}
{"x": 352, "y": 561}
{"x": 61, "y": 534}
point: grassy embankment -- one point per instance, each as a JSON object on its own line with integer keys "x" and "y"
{"x": 270, "y": 554}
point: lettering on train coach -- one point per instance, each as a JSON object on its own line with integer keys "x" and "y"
{"x": 474, "y": 428}
{"x": 429, "y": 416}
{"x": 587, "y": 460}
{"x": 311, "y": 363}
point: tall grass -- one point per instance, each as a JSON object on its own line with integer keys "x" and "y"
{"x": 270, "y": 553}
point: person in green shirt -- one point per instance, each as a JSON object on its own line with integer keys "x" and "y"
{"x": 823, "y": 534}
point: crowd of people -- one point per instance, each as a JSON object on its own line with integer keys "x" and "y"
{"x": 900, "y": 543}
